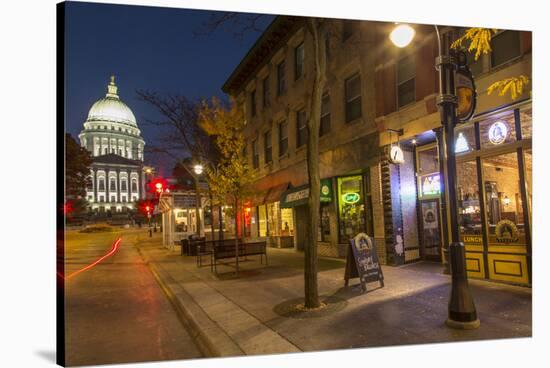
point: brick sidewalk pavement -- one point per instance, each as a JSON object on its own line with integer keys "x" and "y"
{"x": 250, "y": 314}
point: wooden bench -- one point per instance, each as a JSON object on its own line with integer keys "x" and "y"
{"x": 226, "y": 250}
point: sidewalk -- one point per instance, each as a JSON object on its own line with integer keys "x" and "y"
{"x": 250, "y": 314}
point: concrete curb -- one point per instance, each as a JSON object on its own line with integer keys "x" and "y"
{"x": 211, "y": 340}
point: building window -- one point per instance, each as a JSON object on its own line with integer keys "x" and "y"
{"x": 262, "y": 220}
{"x": 255, "y": 154}
{"x": 90, "y": 184}
{"x": 301, "y": 128}
{"x": 505, "y": 47}
{"x": 101, "y": 185}
{"x": 112, "y": 184}
{"x": 283, "y": 138}
{"x": 267, "y": 146}
{"x": 134, "y": 185}
{"x": 123, "y": 185}
{"x": 353, "y": 98}
{"x": 124, "y": 199}
{"x": 299, "y": 61}
{"x": 351, "y": 207}
{"x": 113, "y": 199}
{"x": 281, "y": 80}
{"x": 324, "y": 126}
{"x": 265, "y": 87}
{"x": 287, "y": 222}
{"x": 253, "y": 103}
{"x": 406, "y": 71}
{"x": 101, "y": 199}
{"x": 324, "y": 222}
{"x": 503, "y": 203}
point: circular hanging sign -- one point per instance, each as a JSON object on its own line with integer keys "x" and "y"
{"x": 498, "y": 132}
{"x": 465, "y": 89}
{"x": 396, "y": 155}
{"x": 325, "y": 190}
{"x": 466, "y": 94}
{"x": 351, "y": 198}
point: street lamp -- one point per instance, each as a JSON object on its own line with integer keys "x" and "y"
{"x": 198, "y": 169}
{"x": 461, "y": 311}
{"x": 402, "y": 35}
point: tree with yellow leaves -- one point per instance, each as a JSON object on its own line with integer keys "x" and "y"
{"x": 230, "y": 179}
{"x": 480, "y": 43}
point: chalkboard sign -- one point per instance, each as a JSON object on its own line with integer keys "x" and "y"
{"x": 362, "y": 262}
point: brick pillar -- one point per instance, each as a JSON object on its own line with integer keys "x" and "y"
{"x": 393, "y": 220}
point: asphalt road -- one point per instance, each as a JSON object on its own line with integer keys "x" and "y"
{"x": 115, "y": 311}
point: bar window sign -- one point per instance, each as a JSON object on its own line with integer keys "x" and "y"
{"x": 430, "y": 185}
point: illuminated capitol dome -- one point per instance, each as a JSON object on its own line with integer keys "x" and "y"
{"x": 112, "y": 136}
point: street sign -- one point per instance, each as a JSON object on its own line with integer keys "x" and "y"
{"x": 465, "y": 90}
{"x": 362, "y": 262}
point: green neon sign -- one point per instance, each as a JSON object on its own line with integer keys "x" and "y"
{"x": 351, "y": 198}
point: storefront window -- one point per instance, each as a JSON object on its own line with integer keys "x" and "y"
{"x": 528, "y": 161}
{"x": 351, "y": 207}
{"x": 503, "y": 200}
{"x": 469, "y": 211}
{"x": 273, "y": 219}
{"x": 324, "y": 223}
{"x": 428, "y": 171}
{"x": 287, "y": 225}
{"x": 207, "y": 216}
{"x": 526, "y": 117}
{"x": 497, "y": 130}
{"x": 247, "y": 221}
{"x": 428, "y": 160}
{"x": 262, "y": 220}
{"x": 465, "y": 140}
{"x": 182, "y": 221}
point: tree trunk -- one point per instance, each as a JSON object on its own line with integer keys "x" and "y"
{"x": 211, "y": 215}
{"x": 220, "y": 214}
{"x": 237, "y": 234}
{"x": 197, "y": 207}
{"x": 315, "y": 29}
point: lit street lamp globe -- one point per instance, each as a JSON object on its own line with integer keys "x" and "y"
{"x": 402, "y": 35}
{"x": 198, "y": 169}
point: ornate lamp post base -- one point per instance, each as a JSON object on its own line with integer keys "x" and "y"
{"x": 462, "y": 325}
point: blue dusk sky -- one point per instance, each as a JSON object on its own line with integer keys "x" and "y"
{"x": 147, "y": 48}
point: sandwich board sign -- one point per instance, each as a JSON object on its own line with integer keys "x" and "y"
{"x": 362, "y": 262}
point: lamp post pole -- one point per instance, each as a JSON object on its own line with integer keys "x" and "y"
{"x": 461, "y": 309}
{"x": 462, "y": 312}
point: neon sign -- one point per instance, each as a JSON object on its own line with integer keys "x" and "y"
{"x": 431, "y": 184}
{"x": 351, "y": 198}
{"x": 498, "y": 132}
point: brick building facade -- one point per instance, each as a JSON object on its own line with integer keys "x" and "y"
{"x": 374, "y": 90}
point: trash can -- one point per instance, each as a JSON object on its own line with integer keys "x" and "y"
{"x": 184, "y": 247}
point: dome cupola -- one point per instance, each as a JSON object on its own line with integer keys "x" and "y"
{"x": 111, "y": 108}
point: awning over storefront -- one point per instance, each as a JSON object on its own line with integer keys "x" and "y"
{"x": 298, "y": 196}
{"x": 255, "y": 199}
{"x": 274, "y": 194}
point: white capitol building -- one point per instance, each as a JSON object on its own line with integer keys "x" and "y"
{"x": 112, "y": 136}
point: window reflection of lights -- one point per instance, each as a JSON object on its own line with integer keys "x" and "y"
{"x": 461, "y": 144}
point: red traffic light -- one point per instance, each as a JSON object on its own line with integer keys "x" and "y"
{"x": 158, "y": 185}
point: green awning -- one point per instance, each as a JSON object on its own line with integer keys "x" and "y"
{"x": 298, "y": 196}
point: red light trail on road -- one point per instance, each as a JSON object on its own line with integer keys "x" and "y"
{"x": 111, "y": 252}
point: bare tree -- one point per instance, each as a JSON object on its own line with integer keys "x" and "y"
{"x": 182, "y": 138}
{"x": 316, "y": 29}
